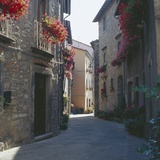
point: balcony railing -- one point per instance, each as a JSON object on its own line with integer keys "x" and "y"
{"x": 6, "y": 28}
{"x": 39, "y": 38}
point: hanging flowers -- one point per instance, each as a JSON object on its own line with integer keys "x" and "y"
{"x": 131, "y": 19}
{"x": 53, "y": 30}
{"x": 68, "y": 58}
{"x": 103, "y": 93}
{"x": 13, "y": 8}
{"x": 102, "y": 68}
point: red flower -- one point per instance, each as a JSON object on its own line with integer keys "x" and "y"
{"x": 53, "y": 30}
{"x": 13, "y": 8}
{"x": 130, "y": 21}
{"x": 68, "y": 58}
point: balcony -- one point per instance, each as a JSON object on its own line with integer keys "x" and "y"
{"x": 6, "y": 31}
{"x": 39, "y": 40}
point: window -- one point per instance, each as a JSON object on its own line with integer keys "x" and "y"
{"x": 104, "y": 54}
{"x": 119, "y": 45}
{"x": 86, "y": 84}
{"x": 104, "y": 23}
{"x": 130, "y": 93}
{"x": 111, "y": 82}
{"x": 42, "y": 9}
{"x": 67, "y": 6}
{"x": 104, "y": 86}
{"x": 136, "y": 100}
{"x": 104, "y": 57}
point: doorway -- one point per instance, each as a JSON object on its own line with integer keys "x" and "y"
{"x": 40, "y": 105}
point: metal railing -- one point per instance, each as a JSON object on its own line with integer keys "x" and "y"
{"x": 6, "y": 28}
{"x": 39, "y": 38}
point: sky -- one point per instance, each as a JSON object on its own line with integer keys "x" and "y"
{"x": 82, "y": 14}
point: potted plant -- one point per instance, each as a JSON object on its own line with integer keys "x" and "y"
{"x": 68, "y": 58}
{"x": 132, "y": 16}
{"x": 102, "y": 69}
{"x": 103, "y": 93}
{"x": 13, "y": 8}
{"x": 53, "y": 30}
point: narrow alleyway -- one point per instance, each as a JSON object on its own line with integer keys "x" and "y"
{"x": 87, "y": 138}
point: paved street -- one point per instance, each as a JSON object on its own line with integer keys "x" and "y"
{"x": 87, "y": 138}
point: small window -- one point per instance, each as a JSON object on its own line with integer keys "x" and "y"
{"x": 111, "y": 86}
{"x": 119, "y": 45}
{"x": 136, "y": 99}
{"x": 104, "y": 57}
{"x": 104, "y": 23}
{"x": 130, "y": 100}
{"x": 42, "y": 9}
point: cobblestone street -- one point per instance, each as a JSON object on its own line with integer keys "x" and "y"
{"x": 87, "y": 138}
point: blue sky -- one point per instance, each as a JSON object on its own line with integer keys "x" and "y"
{"x": 82, "y": 14}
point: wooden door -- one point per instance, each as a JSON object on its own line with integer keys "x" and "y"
{"x": 40, "y": 105}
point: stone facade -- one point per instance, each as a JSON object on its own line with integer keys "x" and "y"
{"x": 109, "y": 37}
{"x": 95, "y": 46}
{"x": 22, "y": 62}
{"x": 139, "y": 68}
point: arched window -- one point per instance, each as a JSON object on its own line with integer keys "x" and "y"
{"x": 136, "y": 98}
{"x": 130, "y": 100}
{"x": 120, "y": 93}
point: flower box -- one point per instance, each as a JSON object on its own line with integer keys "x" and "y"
{"x": 132, "y": 16}
{"x": 13, "y": 8}
{"x": 68, "y": 58}
{"x": 53, "y": 30}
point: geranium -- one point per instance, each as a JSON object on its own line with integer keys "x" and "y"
{"x": 68, "y": 58}
{"x": 103, "y": 93}
{"x": 13, "y": 8}
{"x": 131, "y": 19}
{"x": 53, "y": 30}
{"x": 102, "y": 69}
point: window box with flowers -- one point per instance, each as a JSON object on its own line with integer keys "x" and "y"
{"x": 13, "y": 8}
{"x": 111, "y": 88}
{"x": 103, "y": 93}
{"x": 102, "y": 69}
{"x": 53, "y": 30}
{"x": 68, "y": 58}
{"x": 132, "y": 16}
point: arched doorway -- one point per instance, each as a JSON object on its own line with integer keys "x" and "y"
{"x": 120, "y": 94}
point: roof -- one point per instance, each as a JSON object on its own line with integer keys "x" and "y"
{"x": 102, "y": 10}
{"x": 83, "y": 46}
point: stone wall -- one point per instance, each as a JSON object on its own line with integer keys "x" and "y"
{"x": 95, "y": 46}
{"x": 18, "y": 68}
{"x": 108, "y": 41}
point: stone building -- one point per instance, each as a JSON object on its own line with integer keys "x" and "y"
{"x": 95, "y": 46}
{"x": 29, "y": 74}
{"x": 142, "y": 67}
{"x": 83, "y": 84}
{"x": 110, "y": 80}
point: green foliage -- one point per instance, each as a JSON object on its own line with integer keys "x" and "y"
{"x": 107, "y": 115}
{"x": 118, "y": 113}
{"x": 150, "y": 91}
{"x": 153, "y": 146}
{"x": 135, "y": 127}
{"x": 64, "y": 122}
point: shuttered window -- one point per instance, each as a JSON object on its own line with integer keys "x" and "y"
{"x": 67, "y": 6}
